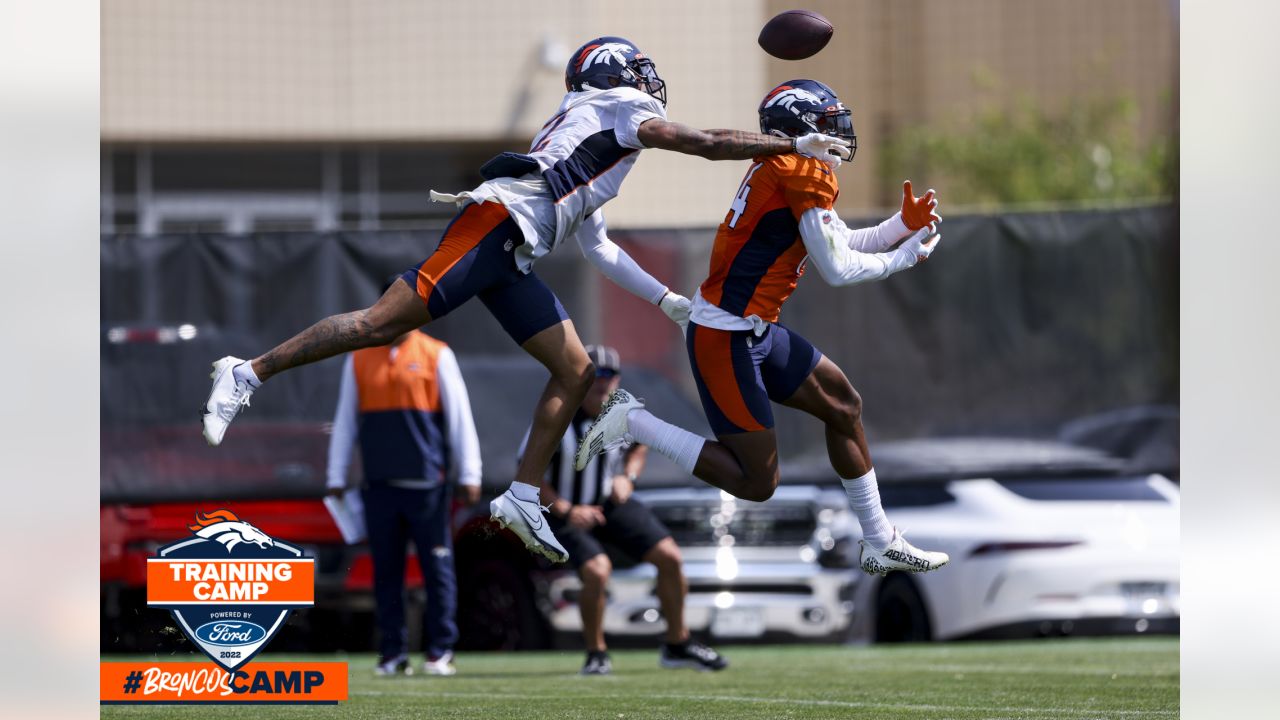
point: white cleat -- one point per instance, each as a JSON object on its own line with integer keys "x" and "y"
{"x": 609, "y": 429}
{"x": 524, "y": 518}
{"x": 441, "y": 666}
{"x": 398, "y": 665}
{"x": 901, "y": 556}
{"x": 226, "y": 399}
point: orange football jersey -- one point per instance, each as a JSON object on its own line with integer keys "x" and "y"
{"x": 758, "y": 255}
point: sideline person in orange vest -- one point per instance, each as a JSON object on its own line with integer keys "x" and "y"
{"x": 407, "y": 405}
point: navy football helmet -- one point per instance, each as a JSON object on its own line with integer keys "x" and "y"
{"x": 609, "y": 62}
{"x": 800, "y": 107}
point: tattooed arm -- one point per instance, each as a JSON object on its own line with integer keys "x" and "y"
{"x": 736, "y": 144}
{"x": 711, "y": 144}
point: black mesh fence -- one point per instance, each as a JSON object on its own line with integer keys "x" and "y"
{"x": 1019, "y": 324}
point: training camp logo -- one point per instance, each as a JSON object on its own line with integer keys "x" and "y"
{"x": 230, "y": 586}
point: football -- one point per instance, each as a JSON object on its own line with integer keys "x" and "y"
{"x": 795, "y": 34}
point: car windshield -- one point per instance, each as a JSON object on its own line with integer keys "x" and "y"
{"x": 914, "y": 495}
{"x": 1086, "y": 489}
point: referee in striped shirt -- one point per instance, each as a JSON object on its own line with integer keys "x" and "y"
{"x": 595, "y": 506}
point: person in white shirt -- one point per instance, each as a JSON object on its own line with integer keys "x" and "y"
{"x": 615, "y": 107}
{"x": 406, "y": 406}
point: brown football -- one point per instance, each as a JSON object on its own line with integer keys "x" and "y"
{"x": 795, "y": 34}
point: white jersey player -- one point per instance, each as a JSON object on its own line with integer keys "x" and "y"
{"x": 615, "y": 107}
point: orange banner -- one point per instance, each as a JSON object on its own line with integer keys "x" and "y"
{"x": 190, "y": 682}
{"x": 230, "y": 582}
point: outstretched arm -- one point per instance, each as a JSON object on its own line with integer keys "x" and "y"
{"x": 731, "y": 144}
{"x": 614, "y": 262}
{"x": 831, "y": 250}
{"x": 875, "y": 239}
{"x": 916, "y": 213}
{"x": 711, "y": 144}
{"x": 618, "y": 266}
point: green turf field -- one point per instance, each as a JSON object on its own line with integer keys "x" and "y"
{"x": 1071, "y": 679}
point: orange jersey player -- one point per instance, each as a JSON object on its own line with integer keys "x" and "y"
{"x": 782, "y": 220}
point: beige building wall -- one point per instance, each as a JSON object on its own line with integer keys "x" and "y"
{"x": 351, "y": 70}
{"x": 910, "y": 62}
{"x": 346, "y": 70}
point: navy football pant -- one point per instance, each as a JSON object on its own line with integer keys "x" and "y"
{"x": 475, "y": 258}
{"x": 393, "y": 517}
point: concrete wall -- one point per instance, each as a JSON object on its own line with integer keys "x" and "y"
{"x": 346, "y": 70}
{"x": 246, "y": 70}
{"x": 935, "y": 61}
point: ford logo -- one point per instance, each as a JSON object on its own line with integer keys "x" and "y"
{"x": 229, "y": 633}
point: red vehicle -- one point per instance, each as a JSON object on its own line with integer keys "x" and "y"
{"x": 495, "y": 573}
{"x": 157, "y": 472}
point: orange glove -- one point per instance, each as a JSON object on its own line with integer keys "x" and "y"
{"x": 918, "y": 212}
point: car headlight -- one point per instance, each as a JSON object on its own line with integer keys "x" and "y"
{"x": 842, "y": 555}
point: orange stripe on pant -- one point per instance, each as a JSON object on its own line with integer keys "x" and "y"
{"x": 715, "y": 365}
{"x": 472, "y": 224}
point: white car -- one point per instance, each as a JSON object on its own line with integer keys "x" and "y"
{"x": 754, "y": 570}
{"x": 1044, "y": 538}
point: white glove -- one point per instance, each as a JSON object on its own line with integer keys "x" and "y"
{"x": 922, "y": 243}
{"x": 826, "y": 148}
{"x": 677, "y": 308}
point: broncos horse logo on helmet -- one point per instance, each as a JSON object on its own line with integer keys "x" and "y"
{"x": 224, "y": 527}
{"x": 610, "y": 62}
{"x": 800, "y": 107}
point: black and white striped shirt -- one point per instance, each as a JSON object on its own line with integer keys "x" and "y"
{"x": 593, "y": 485}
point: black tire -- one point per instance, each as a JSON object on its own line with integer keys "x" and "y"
{"x": 901, "y": 615}
{"x": 498, "y": 610}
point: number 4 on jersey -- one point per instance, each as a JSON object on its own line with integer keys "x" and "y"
{"x": 739, "y": 205}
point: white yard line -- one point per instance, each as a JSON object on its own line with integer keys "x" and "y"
{"x": 1091, "y": 712}
{"x": 1024, "y": 670}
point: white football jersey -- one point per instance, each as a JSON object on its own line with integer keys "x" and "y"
{"x": 584, "y": 151}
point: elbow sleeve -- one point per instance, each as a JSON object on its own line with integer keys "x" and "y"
{"x": 828, "y": 245}
{"x": 877, "y": 239}
{"x": 618, "y": 266}
{"x": 822, "y": 234}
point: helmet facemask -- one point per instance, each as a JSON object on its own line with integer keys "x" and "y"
{"x": 635, "y": 69}
{"x": 838, "y": 122}
{"x": 642, "y": 74}
{"x": 799, "y": 107}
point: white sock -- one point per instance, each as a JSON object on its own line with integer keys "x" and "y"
{"x": 864, "y": 498}
{"x": 682, "y": 446}
{"x": 524, "y": 491}
{"x": 244, "y": 373}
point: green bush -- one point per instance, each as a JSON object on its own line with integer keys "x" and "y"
{"x": 1086, "y": 150}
